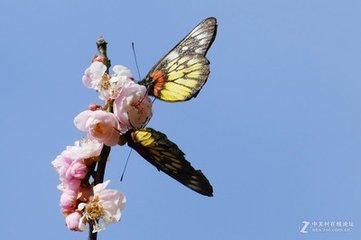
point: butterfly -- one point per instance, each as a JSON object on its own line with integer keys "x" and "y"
{"x": 178, "y": 76}
{"x": 182, "y": 72}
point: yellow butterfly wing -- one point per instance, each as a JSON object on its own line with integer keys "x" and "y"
{"x": 181, "y": 73}
{"x": 165, "y": 155}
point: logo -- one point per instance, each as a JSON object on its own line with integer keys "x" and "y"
{"x": 325, "y": 226}
{"x": 304, "y": 227}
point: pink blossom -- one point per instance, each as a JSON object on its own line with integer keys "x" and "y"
{"x": 93, "y": 75}
{"x": 100, "y": 125}
{"x": 68, "y": 200}
{"x": 70, "y": 183}
{"x": 77, "y": 170}
{"x": 70, "y": 171}
{"x": 61, "y": 164}
{"x": 73, "y": 221}
{"x": 111, "y": 86}
{"x": 112, "y": 202}
{"x": 71, "y": 167}
{"x": 83, "y": 149}
{"x": 108, "y": 86}
{"x": 105, "y": 205}
{"x": 122, "y": 72}
{"x": 133, "y": 107}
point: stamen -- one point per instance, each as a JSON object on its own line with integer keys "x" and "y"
{"x": 94, "y": 210}
{"x": 105, "y": 82}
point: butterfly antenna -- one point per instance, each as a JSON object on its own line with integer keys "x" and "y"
{"x": 137, "y": 66}
{"x": 125, "y": 167}
{"x": 135, "y": 59}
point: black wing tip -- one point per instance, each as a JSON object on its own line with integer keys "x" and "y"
{"x": 204, "y": 188}
{"x": 214, "y": 23}
{"x": 203, "y": 185}
{"x": 208, "y": 192}
{"x": 212, "y": 19}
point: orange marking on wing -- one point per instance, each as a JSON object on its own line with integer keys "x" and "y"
{"x": 158, "y": 77}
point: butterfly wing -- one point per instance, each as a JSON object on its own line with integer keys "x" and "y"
{"x": 181, "y": 73}
{"x": 165, "y": 155}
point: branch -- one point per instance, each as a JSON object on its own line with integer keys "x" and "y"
{"x": 100, "y": 170}
{"x": 102, "y": 48}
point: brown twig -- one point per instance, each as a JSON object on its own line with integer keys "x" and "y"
{"x": 100, "y": 169}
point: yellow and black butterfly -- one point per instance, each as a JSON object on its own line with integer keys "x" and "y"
{"x": 182, "y": 72}
{"x": 178, "y": 76}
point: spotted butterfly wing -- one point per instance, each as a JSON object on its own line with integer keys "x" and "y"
{"x": 165, "y": 155}
{"x": 181, "y": 73}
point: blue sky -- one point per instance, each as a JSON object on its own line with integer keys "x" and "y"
{"x": 276, "y": 129}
